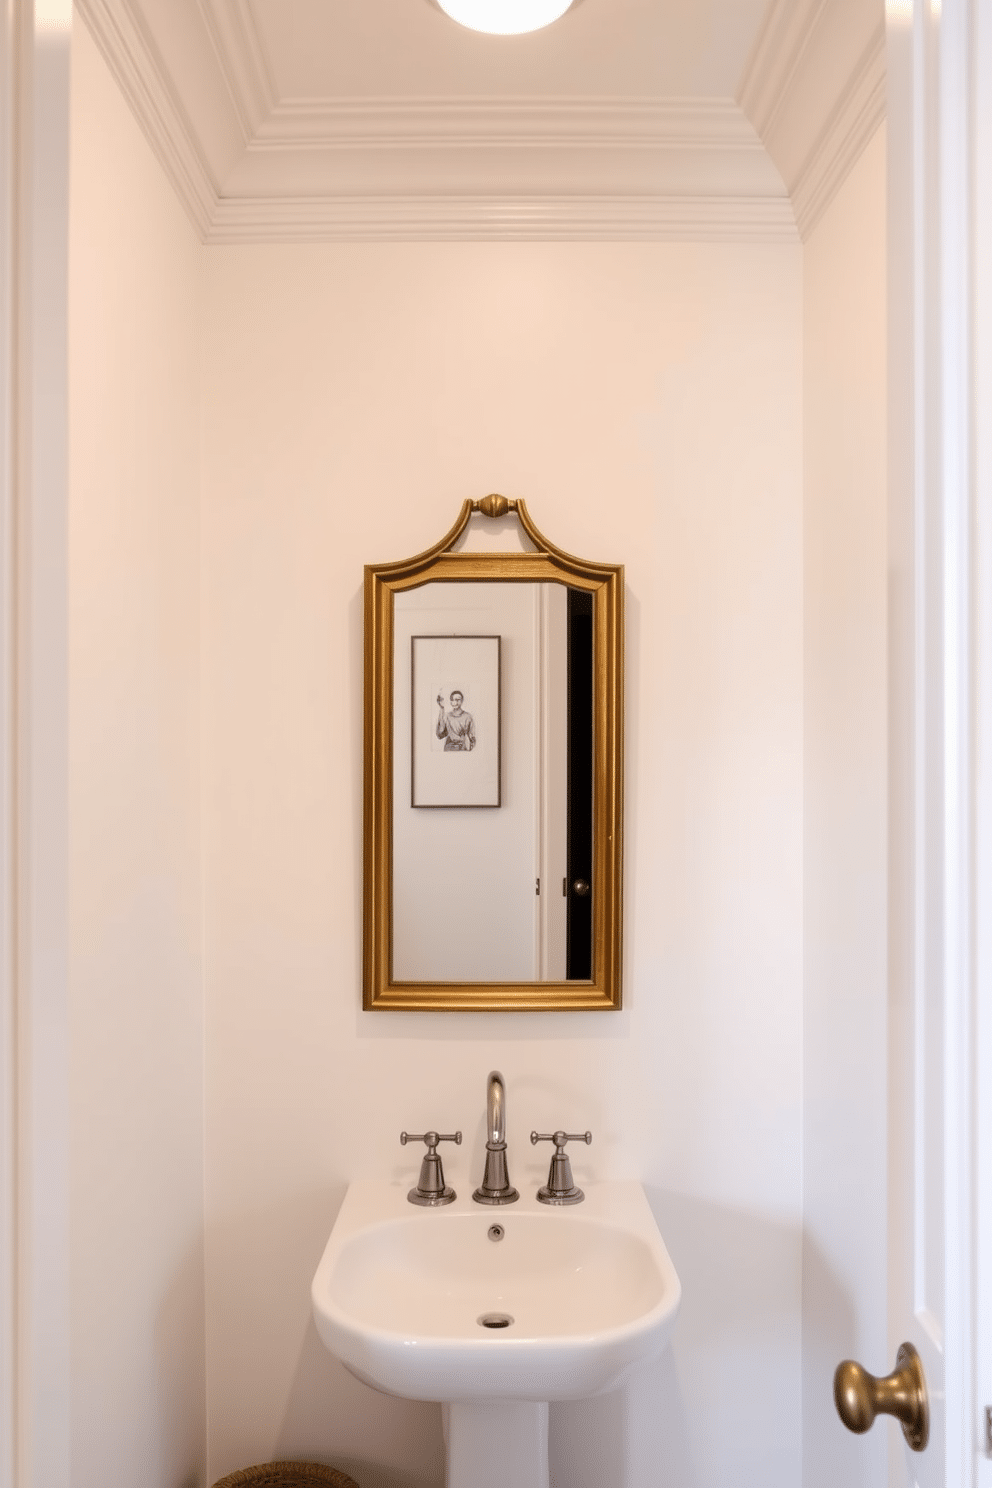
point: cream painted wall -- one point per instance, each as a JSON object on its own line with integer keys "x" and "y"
{"x": 845, "y": 1098}
{"x": 646, "y": 400}
{"x": 136, "y": 1004}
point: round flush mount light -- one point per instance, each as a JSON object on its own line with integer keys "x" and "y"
{"x": 504, "y": 17}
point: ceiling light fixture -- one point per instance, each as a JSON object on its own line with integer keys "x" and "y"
{"x": 504, "y": 17}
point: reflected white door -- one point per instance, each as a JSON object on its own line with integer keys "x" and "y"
{"x": 552, "y": 709}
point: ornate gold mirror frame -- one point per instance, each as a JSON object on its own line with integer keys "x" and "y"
{"x": 605, "y": 582}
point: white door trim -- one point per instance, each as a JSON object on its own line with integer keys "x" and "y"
{"x": 8, "y": 896}
{"x": 980, "y": 366}
{"x": 34, "y": 1191}
{"x": 940, "y": 148}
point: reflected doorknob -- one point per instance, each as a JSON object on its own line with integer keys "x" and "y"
{"x": 580, "y": 887}
{"x": 860, "y": 1396}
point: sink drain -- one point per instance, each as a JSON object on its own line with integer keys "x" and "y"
{"x": 495, "y": 1320}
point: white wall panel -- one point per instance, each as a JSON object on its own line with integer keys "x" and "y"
{"x": 136, "y": 1003}
{"x": 846, "y": 692}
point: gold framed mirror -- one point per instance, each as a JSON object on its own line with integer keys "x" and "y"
{"x": 493, "y": 777}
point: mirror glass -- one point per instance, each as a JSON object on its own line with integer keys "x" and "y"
{"x": 492, "y": 783}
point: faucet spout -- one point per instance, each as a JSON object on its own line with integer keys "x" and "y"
{"x": 495, "y": 1187}
{"x": 496, "y": 1108}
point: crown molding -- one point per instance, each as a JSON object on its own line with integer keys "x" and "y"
{"x": 498, "y": 149}
{"x": 703, "y": 123}
{"x": 815, "y": 92}
{"x": 785, "y": 35}
{"x": 303, "y": 169}
{"x": 130, "y": 53}
{"x": 544, "y": 218}
{"x": 243, "y": 61}
{"x": 309, "y": 170}
{"x": 857, "y": 115}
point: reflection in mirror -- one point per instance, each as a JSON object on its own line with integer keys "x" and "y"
{"x": 492, "y": 844}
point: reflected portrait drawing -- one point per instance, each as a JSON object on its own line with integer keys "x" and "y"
{"x": 455, "y": 726}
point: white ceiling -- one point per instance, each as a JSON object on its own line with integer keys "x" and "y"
{"x": 323, "y": 119}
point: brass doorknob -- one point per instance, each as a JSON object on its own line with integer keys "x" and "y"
{"x": 580, "y": 887}
{"x": 860, "y": 1397}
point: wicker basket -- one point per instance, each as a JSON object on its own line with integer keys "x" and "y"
{"x": 287, "y": 1475}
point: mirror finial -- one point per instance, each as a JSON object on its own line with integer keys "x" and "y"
{"x": 494, "y": 506}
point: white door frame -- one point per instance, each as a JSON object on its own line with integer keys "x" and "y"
{"x": 34, "y": 1094}
{"x": 940, "y": 358}
{"x": 980, "y": 98}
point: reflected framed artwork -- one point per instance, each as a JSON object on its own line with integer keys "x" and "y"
{"x": 455, "y": 721}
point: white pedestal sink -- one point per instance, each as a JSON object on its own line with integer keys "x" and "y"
{"x": 414, "y": 1301}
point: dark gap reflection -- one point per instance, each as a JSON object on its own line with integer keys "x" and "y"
{"x": 578, "y": 945}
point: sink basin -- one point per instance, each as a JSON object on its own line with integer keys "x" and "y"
{"x": 415, "y": 1301}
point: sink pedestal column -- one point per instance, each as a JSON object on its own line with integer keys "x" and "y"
{"x": 497, "y": 1444}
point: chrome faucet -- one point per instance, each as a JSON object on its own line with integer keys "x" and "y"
{"x": 495, "y": 1187}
